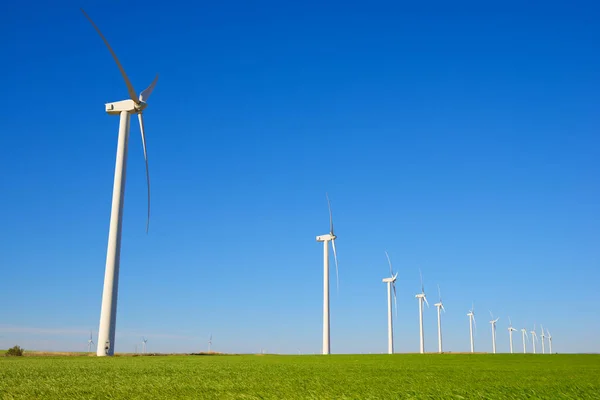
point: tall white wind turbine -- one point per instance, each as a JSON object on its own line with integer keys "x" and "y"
{"x": 124, "y": 108}
{"x": 524, "y": 334}
{"x": 510, "y": 334}
{"x": 440, "y": 307}
{"x": 549, "y": 342}
{"x": 533, "y": 338}
{"x": 90, "y": 343}
{"x": 471, "y": 315}
{"x": 329, "y": 237}
{"x": 391, "y": 284}
{"x": 493, "y": 322}
{"x": 422, "y": 298}
{"x": 543, "y": 338}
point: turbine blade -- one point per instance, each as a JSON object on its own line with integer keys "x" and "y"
{"x": 389, "y": 262}
{"x": 395, "y": 301}
{"x": 330, "y": 215}
{"x": 425, "y": 298}
{"x": 141, "y": 119}
{"x": 145, "y": 94}
{"x": 443, "y": 308}
{"x": 337, "y": 278}
{"x": 439, "y": 292}
{"x": 422, "y": 286}
{"x": 130, "y": 88}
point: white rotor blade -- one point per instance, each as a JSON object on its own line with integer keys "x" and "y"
{"x": 337, "y": 278}
{"x": 130, "y": 88}
{"x": 145, "y": 94}
{"x": 395, "y": 301}
{"x": 389, "y": 262}
{"x": 330, "y": 215}
{"x": 141, "y": 119}
{"x": 425, "y": 298}
{"x": 443, "y": 307}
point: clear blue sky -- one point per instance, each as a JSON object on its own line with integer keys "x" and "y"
{"x": 462, "y": 138}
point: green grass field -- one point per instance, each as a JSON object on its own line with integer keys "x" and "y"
{"x": 414, "y": 376}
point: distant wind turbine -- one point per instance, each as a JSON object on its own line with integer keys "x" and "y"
{"x": 329, "y": 237}
{"x": 493, "y": 322}
{"x": 524, "y": 334}
{"x": 533, "y": 338}
{"x": 90, "y": 343}
{"x": 471, "y": 315}
{"x": 144, "y": 340}
{"x": 422, "y": 298}
{"x": 550, "y": 342}
{"x": 209, "y": 342}
{"x": 391, "y": 284}
{"x": 543, "y": 338}
{"x": 510, "y": 334}
{"x": 440, "y": 307}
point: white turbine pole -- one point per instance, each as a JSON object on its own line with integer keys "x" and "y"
{"x": 550, "y": 342}
{"x": 471, "y": 331}
{"x": 421, "y": 345}
{"x": 326, "y": 337}
{"x": 524, "y": 333}
{"x": 390, "y": 327}
{"x": 510, "y": 333}
{"x": 533, "y": 338}
{"x": 108, "y": 312}
{"x": 493, "y": 322}
{"x": 439, "y": 310}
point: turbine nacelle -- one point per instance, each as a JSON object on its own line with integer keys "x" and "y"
{"x": 326, "y": 238}
{"x": 128, "y": 105}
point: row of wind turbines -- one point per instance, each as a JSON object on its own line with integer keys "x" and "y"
{"x": 108, "y": 314}
{"x": 422, "y": 299}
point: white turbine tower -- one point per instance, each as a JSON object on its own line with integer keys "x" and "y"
{"x": 471, "y": 315}
{"x": 543, "y": 338}
{"x": 510, "y": 334}
{"x": 440, "y": 307}
{"x": 209, "y": 342}
{"x": 422, "y": 298}
{"x": 124, "y": 108}
{"x": 524, "y": 334}
{"x": 549, "y": 342}
{"x": 144, "y": 340}
{"x": 391, "y": 284}
{"x": 329, "y": 237}
{"x": 493, "y": 322}
{"x": 533, "y": 338}
{"x": 90, "y": 343}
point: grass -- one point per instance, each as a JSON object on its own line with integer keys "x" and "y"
{"x": 406, "y": 376}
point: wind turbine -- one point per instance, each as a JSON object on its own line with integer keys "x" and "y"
{"x": 550, "y": 342}
{"x": 391, "y": 283}
{"x": 543, "y": 337}
{"x": 493, "y": 322}
{"x": 510, "y": 334}
{"x": 533, "y": 338}
{"x": 440, "y": 306}
{"x": 124, "y": 108}
{"x": 209, "y": 342}
{"x": 329, "y": 237}
{"x": 524, "y": 334}
{"x": 90, "y": 343}
{"x": 144, "y": 340}
{"x": 421, "y": 296}
{"x": 471, "y": 315}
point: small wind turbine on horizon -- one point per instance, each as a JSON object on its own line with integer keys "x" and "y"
{"x": 471, "y": 315}
{"x": 543, "y": 338}
{"x": 533, "y": 338}
{"x": 329, "y": 237}
{"x": 524, "y": 334}
{"x": 209, "y": 342}
{"x": 549, "y": 342}
{"x": 510, "y": 334}
{"x": 124, "y": 108}
{"x": 422, "y": 298}
{"x": 391, "y": 283}
{"x": 144, "y": 340}
{"x": 90, "y": 343}
{"x": 493, "y": 322}
{"x": 440, "y": 307}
